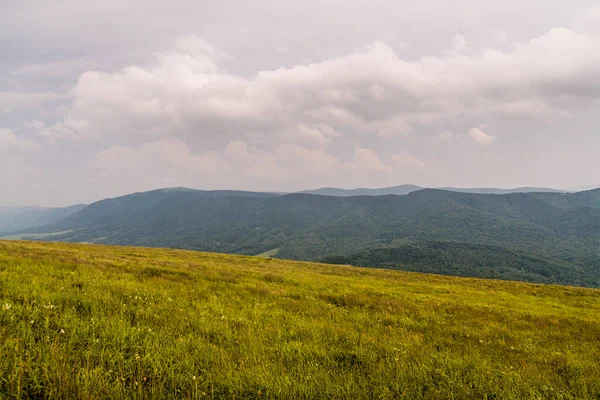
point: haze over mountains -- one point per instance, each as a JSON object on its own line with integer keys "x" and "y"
{"x": 406, "y": 189}
{"x": 539, "y": 237}
{"x": 18, "y": 218}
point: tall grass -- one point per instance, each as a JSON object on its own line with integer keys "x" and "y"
{"x": 82, "y": 321}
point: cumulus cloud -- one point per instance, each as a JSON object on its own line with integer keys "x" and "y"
{"x": 480, "y": 137}
{"x": 265, "y": 102}
{"x": 372, "y": 91}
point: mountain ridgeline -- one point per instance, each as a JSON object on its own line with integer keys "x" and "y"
{"x": 537, "y": 237}
{"x": 406, "y": 189}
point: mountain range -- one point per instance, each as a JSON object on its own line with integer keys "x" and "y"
{"x": 14, "y": 219}
{"x": 538, "y": 237}
{"x": 406, "y": 189}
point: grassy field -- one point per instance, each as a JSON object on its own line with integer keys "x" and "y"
{"x": 270, "y": 253}
{"x": 33, "y": 236}
{"x": 84, "y": 321}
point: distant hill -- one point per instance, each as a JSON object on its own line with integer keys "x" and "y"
{"x": 504, "y": 191}
{"x": 406, "y": 189}
{"x": 562, "y": 230}
{"x": 582, "y": 188}
{"x": 20, "y": 218}
{"x": 397, "y": 190}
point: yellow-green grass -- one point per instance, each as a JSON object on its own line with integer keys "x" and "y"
{"x": 25, "y": 236}
{"x": 269, "y": 253}
{"x": 84, "y": 321}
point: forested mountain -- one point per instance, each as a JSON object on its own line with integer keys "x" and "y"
{"x": 20, "y": 218}
{"x": 559, "y": 233}
{"x": 471, "y": 260}
{"x": 406, "y": 189}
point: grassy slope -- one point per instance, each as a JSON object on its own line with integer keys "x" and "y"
{"x": 92, "y": 321}
{"x": 563, "y": 229}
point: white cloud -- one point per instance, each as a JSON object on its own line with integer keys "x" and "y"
{"x": 10, "y": 142}
{"x": 480, "y": 137}
{"x": 447, "y": 136}
{"x": 165, "y": 163}
{"x": 500, "y": 36}
{"x": 161, "y": 155}
{"x": 403, "y": 159}
{"x": 365, "y": 161}
{"x": 170, "y": 162}
{"x": 589, "y": 20}
{"x": 373, "y": 91}
{"x": 459, "y": 46}
{"x": 291, "y": 94}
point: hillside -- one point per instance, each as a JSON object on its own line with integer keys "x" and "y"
{"x": 13, "y": 219}
{"x": 83, "y": 321}
{"x": 563, "y": 230}
{"x": 467, "y": 259}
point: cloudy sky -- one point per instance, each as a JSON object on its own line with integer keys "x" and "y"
{"x": 99, "y": 99}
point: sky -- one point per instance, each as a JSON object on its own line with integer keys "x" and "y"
{"x": 101, "y": 99}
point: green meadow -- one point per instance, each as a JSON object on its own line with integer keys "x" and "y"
{"x": 97, "y": 322}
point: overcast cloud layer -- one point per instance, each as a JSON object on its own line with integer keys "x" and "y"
{"x": 103, "y": 100}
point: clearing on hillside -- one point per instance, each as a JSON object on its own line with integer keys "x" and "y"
{"x": 84, "y": 321}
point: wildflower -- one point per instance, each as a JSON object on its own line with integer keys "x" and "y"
{"x": 62, "y": 331}
{"x": 194, "y": 377}
{"x": 6, "y": 306}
